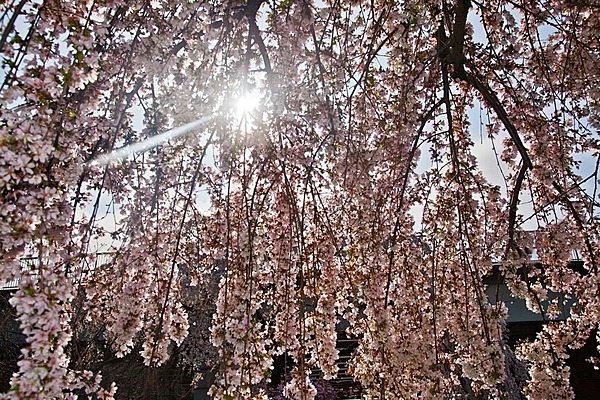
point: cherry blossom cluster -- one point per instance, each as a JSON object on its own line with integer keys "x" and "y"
{"x": 355, "y": 194}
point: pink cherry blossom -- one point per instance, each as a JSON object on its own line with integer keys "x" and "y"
{"x": 400, "y": 153}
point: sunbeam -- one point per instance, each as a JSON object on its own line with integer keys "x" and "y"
{"x": 149, "y": 143}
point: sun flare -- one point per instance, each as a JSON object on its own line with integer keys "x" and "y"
{"x": 246, "y": 104}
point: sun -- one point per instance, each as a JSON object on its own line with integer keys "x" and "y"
{"x": 246, "y": 104}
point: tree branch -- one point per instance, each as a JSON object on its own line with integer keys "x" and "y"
{"x": 451, "y": 52}
{"x": 255, "y": 33}
{"x": 492, "y": 101}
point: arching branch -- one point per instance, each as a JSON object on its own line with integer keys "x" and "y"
{"x": 451, "y": 53}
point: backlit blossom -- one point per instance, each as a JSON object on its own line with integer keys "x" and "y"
{"x": 398, "y": 154}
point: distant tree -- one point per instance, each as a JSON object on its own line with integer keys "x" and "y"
{"x": 354, "y": 189}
